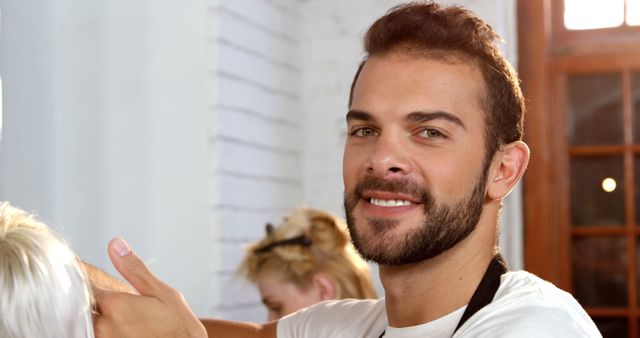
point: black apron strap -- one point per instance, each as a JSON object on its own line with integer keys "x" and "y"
{"x": 485, "y": 291}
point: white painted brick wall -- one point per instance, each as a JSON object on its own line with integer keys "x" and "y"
{"x": 257, "y": 136}
{"x": 113, "y": 97}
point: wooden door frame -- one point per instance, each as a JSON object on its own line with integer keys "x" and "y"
{"x": 541, "y": 235}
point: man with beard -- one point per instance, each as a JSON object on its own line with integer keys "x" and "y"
{"x": 434, "y": 145}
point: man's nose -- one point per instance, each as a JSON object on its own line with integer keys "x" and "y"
{"x": 389, "y": 158}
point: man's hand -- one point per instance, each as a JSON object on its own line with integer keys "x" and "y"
{"x": 159, "y": 310}
{"x": 102, "y": 280}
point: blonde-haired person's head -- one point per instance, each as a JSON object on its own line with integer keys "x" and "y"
{"x": 306, "y": 259}
{"x": 43, "y": 290}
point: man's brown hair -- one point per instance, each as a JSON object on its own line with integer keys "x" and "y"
{"x": 454, "y": 34}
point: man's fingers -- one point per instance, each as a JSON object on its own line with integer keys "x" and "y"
{"x": 158, "y": 311}
{"x": 111, "y": 307}
{"x": 132, "y": 268}
{"x": 99, "y": 278}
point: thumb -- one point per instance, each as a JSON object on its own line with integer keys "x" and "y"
{"x": 133, "y": 269}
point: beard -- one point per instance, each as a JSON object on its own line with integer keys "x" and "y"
{"x": 443, "y": 227}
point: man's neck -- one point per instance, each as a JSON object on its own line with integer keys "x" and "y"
{"x": 423, "y": 292}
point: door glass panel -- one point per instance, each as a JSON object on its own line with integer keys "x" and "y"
{"x": 636, "y": 168}
{"x": 599, "y": 265}
{"x": 590, "y": 14}
{"x": 594, "y": 109}
{"x": 597, "y": 191}
{"x": 635, "y": 94}
{"x": 637, "y": 269}
{"x": 613, "y": 327}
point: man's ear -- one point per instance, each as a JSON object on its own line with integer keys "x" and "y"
{"x": 326, "y": 285}
{"x": 508, "y": 166}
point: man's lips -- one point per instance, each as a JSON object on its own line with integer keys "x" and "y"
{"x": 389, "y": 199}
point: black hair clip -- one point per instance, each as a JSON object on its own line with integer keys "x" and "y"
{"x": 301, "y": 240}
{"x": 268, "y": 228}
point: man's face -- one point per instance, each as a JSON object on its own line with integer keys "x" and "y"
{"x": 414, "y": 169}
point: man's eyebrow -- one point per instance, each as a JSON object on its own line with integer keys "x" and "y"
{"x": 359, "y": 115}
{"x": 424, "y": 116}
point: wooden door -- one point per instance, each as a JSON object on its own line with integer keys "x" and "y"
{"x": 582, "y": 190}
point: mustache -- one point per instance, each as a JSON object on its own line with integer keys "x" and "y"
{"x": 400, "y": 185}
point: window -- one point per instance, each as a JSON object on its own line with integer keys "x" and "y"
{"x": 633, "y": 12}
{"x": 588, "y": 26}
{"x": 593, "y": 14}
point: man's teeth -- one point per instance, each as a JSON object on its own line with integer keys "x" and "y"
{"x": 389, "y": 203}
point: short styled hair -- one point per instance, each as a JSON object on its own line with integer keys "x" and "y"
{"x": 454, "y": 34}
{"x": 310, "y": 241}
{"x": 43, "y": 289}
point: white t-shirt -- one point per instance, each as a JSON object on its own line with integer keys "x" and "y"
{"x": 524, "y": 306}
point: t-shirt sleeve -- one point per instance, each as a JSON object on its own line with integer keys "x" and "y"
{"x": 346, "y": 318}
{"x": 546, "y": 323}
{"x": 539, "y": 314}
{"x": 293, "y": 325}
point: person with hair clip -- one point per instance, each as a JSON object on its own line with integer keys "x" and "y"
{"x": 305, "y": 260}
{"x": 43, "y": 289}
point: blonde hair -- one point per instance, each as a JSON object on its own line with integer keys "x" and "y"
{"x": 43, "y": 289}
{"x": 310, "y": 241}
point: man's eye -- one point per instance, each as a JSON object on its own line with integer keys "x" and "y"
{"x": 364, "y": 132}
{"x": 430, "y": 133}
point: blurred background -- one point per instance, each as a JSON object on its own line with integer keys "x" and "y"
{"x": 185, "y": 126}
